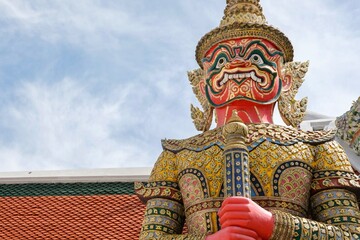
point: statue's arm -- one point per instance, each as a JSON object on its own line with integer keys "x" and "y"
{"x": 164, "y": 215}
{"x": 164, "y": 219}
{"x": 336, "y": 216}
{"x": 333, "y": 204}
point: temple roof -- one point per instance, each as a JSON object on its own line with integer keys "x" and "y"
{"x": 91, "y": 204}
{"x": 77, "y": 176}
{"x": 71, "y": 210}
{"x": 310, "y": 115}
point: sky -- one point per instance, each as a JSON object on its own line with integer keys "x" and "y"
{"x": 97, "y": 84}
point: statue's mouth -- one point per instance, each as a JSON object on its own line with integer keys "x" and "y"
{"x": 249, "y": 83}
{"x": 239, "y": 77}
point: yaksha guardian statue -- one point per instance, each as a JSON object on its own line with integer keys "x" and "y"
{"x": 248, "y": 178}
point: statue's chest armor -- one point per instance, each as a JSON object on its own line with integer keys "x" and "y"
{"x": 280, "y": 178}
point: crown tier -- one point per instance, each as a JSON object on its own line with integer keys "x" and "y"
{"x": 244, "y": 18}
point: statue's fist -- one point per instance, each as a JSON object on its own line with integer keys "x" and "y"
{"x": 234, "y": 233}
{"x": 243, "y": 212}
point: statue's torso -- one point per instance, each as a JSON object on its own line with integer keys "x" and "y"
{"x": 280, "y": 177}
{"x": 282, "y": 169}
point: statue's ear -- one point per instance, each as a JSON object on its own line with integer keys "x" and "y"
{"x": 287, "y": 80}
{"x": 201, "y": 118}
{"x": 291, "y": 110}
{"x": 202, "y": 85}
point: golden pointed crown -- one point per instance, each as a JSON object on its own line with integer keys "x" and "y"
{"x": 244, "y": 18}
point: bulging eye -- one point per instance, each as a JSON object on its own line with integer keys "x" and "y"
{"x": 221, "y": 62}
{"x": 256, "y": 59}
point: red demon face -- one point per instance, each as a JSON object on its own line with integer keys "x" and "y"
{"x": 244, "y": 69}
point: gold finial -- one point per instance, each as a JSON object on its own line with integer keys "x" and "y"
{"x": 235, "y": 130}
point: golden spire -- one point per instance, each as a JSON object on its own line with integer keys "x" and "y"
{"x": 244, "y": 18}
{"x": 243, "y": 12}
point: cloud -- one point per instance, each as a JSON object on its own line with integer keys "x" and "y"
{"x": 104, "y": 109}
{"x": 61, "y": 124}
{"x": 323, "y": 32}
{"x": 87, "y": 24}
{"x": 89, "y": 84}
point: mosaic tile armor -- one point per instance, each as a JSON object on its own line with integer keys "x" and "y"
{"x": 304, "y": 179}
{"x": 349, "y": 127}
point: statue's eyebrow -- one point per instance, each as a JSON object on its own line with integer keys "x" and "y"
{"x": 221, "y": 46}
{"x": 258, "y": 42}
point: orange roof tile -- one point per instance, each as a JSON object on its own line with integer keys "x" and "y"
{"x": 71, "y": 217}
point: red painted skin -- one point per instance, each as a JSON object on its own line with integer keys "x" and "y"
{"x": 247, "y": 111}
{"x": 235, "y": 233}
{"x": 240, "y": 217}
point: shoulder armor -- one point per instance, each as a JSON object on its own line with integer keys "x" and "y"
{"x": 258, "y": 133}
{"x": 164, "y": 189}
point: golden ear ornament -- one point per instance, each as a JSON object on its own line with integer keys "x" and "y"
{"x": 292, "y": 111}
{"x": 202, "y": 119}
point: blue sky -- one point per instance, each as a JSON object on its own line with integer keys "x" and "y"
{"x": 97, "y": 84}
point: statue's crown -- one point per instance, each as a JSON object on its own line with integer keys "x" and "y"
{"x": 241, "y": 11}
{"x": 244, "y": 18}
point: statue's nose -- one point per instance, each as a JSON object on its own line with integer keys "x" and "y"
{"x": 238, "y": 63}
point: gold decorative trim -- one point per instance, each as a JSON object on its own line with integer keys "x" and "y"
{"x": 258, "y": 133}
{"x": 201, "y": 119}
{"x": 291, "y": 110}
{"x": 208, "y": 205}
{"x": 241, "y": 30}
{"x": 284, "y": 225}
{"x": 286, "y": 205}
{"x": 151, "y": 190}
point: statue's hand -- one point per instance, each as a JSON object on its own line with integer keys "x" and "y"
{"x": 234, "y": 233}
{"x": 243, "y": 212}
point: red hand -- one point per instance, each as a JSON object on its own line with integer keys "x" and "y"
{"x": 234, "y": 233}
{"x": 243, "y": 212}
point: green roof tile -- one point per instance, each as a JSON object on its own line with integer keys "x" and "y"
{"x": 66, "y": 189}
